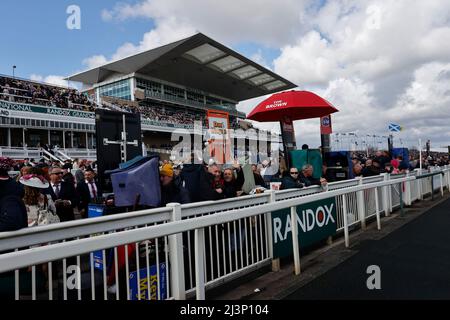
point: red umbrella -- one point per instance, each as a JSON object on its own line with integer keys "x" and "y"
{"x": 297, "y": 105}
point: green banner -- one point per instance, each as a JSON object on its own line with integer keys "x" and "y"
{"x": 316, "y": 221}
{"x": 12, "y": 106}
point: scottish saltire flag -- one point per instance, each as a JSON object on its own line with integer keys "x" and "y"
{"x": 394, "y": 127}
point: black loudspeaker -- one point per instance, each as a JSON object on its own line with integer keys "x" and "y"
{"x": 109, "y": 128}
{"x": 340, "y": 166}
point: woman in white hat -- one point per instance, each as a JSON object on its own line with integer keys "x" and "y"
{"x": 40, "y": 208}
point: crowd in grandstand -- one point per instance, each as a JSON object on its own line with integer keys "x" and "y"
{"x": 171, "y": 116}
{"x": 16, "y": 90}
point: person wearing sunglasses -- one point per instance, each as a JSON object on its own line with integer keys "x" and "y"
{"x": 63, "y": 194}
{"x": 291, "y": 180}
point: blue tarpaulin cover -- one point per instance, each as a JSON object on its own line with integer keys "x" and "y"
{"x": 139, "y": 179}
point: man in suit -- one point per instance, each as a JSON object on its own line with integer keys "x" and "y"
{"x": 63, "y": 194}
{"x": 88, "y": 191}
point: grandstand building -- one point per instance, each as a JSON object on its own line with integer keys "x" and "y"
{"x": 171, "y": 86}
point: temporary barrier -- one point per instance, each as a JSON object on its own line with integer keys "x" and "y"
{"x": 199, "y": 246}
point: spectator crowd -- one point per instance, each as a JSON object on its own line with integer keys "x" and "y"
{"x": 47, "y": 191}
{"x": 22, "y": 91}
{"x": 16, "y": 90}
{"x": 382, "y": 162}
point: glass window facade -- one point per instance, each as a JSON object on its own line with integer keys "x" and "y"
{"x": 46, "y": 124}
{"x": 151, "y": 86}
{"x": 174, "y": 92}
{"x": 120, "y": 89}
{"x": 189, "y": 97}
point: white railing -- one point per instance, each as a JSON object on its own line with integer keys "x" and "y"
{"x": 89, "y": 154}
{"x": 190, "y": 248}
{"x": 20, "y": 153}
{"x": 62, "y": 154}
{"x": 37, "y": 153}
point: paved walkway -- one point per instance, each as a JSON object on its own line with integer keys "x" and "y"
{"x": 414, "y": 262}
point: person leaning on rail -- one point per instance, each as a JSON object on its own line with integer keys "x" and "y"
{"x": 291, "y": 180}
{"x": 306, "y": 177}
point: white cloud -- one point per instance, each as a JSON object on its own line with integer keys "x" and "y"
{"x": 263, "y": 21}
{"x": 51, "y": 79}
{"x": 167, "y": 30}
{"x": 95, "y": 61}
{"x": 377, "y": 60}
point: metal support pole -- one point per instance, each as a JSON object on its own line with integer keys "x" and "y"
{"x": 64, "y": 140}
{"x": 295, "y": 244}
{"x": 176, "y": 257}
{"x": 9, "y": 137}
{"x": 199, "y": 265}
{"x": 71, "y": 140}
{"x": 124, "y": 139}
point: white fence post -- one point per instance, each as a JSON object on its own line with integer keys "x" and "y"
{"x": 442, "y": 183}
{"x": 422, "y": 189}
{"x": 199, "y": 264}
{"x": 377, "y": 209}
{"x": 407, "y": 194}
{"x": 176, "y": 257}
{"x": 386, "y": 195}
{"x": 275, "y": 262}
{"x": 295, "y": 244}
{"x": 448, "y": 178}
{"x": 344, "y": 210}
{"x": 361, "y": 206}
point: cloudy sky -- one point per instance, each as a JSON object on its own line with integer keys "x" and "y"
{"x": 377, "y": 61}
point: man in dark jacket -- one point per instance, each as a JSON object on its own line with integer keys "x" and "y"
{"x": 63, "y": 194}
{"x": 13, "y": 214}
{"x": 306, "y": 177}
{"x": 291, "y": 181}
{"x": 9, "y": 186}
{"x": 210, "y": 185}
{"x": 67, "y": 175}
{"x": 171, "y": 189}
{"x": 372, "y": 168}
{"x": 88, "y": 191}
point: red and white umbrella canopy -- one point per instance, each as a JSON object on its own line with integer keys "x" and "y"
{"x": 297, "y": 105}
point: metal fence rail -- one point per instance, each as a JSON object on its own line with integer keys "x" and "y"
{"x": 179, "y": 250}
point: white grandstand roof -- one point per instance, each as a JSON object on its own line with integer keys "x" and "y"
{"x": 197, "y": 62}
